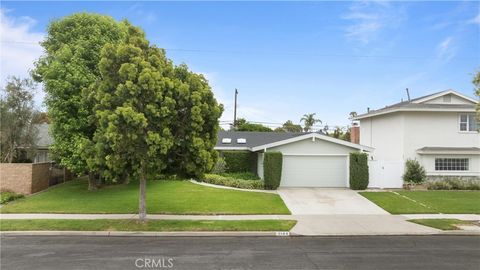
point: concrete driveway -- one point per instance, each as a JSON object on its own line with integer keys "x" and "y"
{"x": 328, "y": 201}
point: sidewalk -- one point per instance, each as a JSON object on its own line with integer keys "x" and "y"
{"x": 307, "y": 224}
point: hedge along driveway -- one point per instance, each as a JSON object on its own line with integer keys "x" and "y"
{"x": 163, "y": 197}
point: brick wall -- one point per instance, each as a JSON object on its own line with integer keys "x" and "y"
{"x": 25, "y": 178}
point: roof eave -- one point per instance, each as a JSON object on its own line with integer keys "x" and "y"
{"x": 373, "y": 114}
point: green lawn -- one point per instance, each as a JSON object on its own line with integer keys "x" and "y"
{"x": 434, "y": 201}
{"x": 163, "y": 197}
{"x": 151, "y": 225}
{"x": 442, "y": 224}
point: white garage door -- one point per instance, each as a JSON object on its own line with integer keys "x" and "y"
{"x": 314, "y": 171}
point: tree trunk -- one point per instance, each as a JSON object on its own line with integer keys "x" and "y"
{"x": 142, "y": 210}
{"x": 92, "y": 181}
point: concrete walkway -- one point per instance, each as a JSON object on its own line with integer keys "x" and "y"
{"x": 328, "y": 201}
{"x": 307, "y": 224}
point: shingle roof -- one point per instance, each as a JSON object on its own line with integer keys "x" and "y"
{"x": 412, "y": 105}
{"x": 254, "y": 138}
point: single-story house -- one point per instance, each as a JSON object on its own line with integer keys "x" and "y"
{"x": 309, "y": 159}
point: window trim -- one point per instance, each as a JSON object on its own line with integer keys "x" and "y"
{"x": 467, "y": 123}
{"x": 454, "y": 162}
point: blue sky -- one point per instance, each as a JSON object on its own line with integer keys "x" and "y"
{"x": 287, "y": 58}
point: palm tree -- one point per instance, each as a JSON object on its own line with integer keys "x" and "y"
{"x": 309, "y": 120}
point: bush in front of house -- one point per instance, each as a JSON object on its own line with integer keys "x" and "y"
{"x": 8, "y": 196}
{"x": 237, "y": 161}
{"x": 272, "y": 169}
{"x": 453, "y": 184}
{"x": 358, "y": 171}
{"x": 220, "y": 166}
{"x": 414, "y": 172}
{"x": 233, "y": 182}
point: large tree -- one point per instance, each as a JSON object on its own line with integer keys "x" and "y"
{"x": 17, "y": 130}
{"x": 152, "y": 117}
{"x": 309, "y": 121}
{"x": 67, "y": 69}
{"x": 195, "y": 125}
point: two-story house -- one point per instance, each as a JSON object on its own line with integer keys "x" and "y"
{"x": 439, "y": 130}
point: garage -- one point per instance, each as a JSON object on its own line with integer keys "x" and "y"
{"x": 309, "y": 159}
{"x": 314, "y": 171}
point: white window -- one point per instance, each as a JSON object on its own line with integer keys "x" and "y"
{"x": 468, "y": 122}
{"x": 451, "y": 164}
{"x": 241, "y": 140}
{"x": 226, "y": 140}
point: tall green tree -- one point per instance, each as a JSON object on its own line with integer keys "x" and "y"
{"x": 152, "y": 117}
{"x": 195, "y": 125}
{"x": 309, "y": 121}
{"x": 17, "y": 130}
{"x": 67, "y": 69}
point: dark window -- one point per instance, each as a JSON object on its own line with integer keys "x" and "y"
{"x": 451, "y": 164}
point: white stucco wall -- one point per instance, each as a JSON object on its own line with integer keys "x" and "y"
{"x": 385, "y": 134}
{"x": 435, "y": 129}
{"x": 428, "y": 162}
{"x": 396, "y": 137}
{"x": 260, "y": 165}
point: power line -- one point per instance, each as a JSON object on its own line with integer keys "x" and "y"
{"x": 298, "y": 53}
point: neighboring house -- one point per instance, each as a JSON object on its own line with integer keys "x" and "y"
{"x": 44, "y": 140}
{"x": 309, "y": 159}
{"x": 439, "y": 130}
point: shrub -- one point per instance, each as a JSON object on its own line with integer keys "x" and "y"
{"x": 358, "y": 171}
{"x": 242, "y": 175}
{"x": 454, "y": 184}
{"x": 272, "y": 169}
{"x": 220, "y": 166}
{"x": 237, "y": 161}
{"x": 8, "y": 196}
{"x": 414, "y": 172}
{"x": 233, "y": 182}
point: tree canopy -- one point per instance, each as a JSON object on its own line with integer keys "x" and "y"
{"x": 289, "y": 126}
{"x": 67, "y": 69}
{"x": 17, "y": 130}
{"x": 244, "y": 125}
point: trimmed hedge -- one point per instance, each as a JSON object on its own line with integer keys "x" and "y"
{"x": 233, "y": 182}
{"x": 237, "y": 161}
{"x": 358, "y": 171}
{"x": 272, "y": 169}
{"x": 454, "y": 184}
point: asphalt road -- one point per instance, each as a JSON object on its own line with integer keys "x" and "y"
{"x": 363, "y": 252}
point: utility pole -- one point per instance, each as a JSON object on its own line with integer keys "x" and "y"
{"x": 235, "y": 111}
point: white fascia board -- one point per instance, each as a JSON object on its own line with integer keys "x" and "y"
{"x": 447, "y": 92}
{"x": 226, "y": 148}
{"x": 415, "y": 110}
{"x": 421, "y": 152}
{"x": 313, "y": 135}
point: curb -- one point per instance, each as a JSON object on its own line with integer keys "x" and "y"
{"x": 147, "y": 234}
